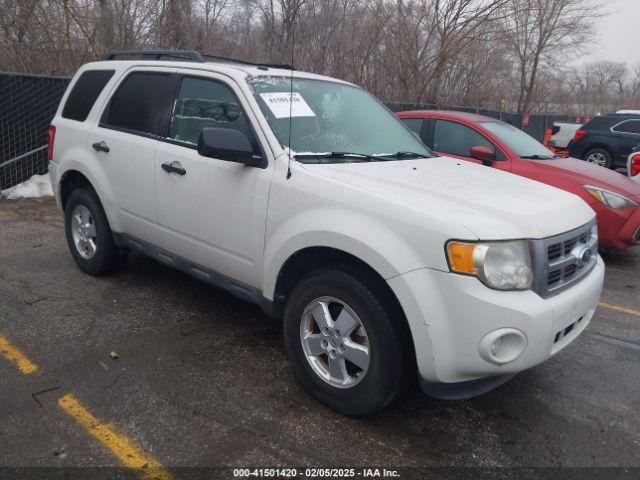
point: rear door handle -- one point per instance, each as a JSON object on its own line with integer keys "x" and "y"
{"x": 174, "y": 167}
{"x": 101, "y": 147}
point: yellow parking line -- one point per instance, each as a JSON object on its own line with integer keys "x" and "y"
{"x": 620, "y": 309}
{"x": 13, "y": 354}
{"x": 122, "y": 447}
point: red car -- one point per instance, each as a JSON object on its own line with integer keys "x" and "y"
{"x": 496, "y": 144}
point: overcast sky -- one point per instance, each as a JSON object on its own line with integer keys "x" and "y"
{"x": 618, "y": 33}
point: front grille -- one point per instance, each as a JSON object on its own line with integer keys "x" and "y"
{"x": 557, "y": 250}
{"x": 563, "y": 260}
{"x": 554, "y": 251}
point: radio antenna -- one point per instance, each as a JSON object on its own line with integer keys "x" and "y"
{"x": 293, "y": 43}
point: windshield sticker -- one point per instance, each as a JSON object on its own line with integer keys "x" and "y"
{"x": 286, "y": 104}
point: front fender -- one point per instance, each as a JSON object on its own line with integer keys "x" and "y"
{"x": 351, "y": 232}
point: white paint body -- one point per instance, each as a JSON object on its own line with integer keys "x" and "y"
{"x": 564, "y": 135}
{"x": 396, "y": 216}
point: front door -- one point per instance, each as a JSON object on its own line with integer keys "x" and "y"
{"x": 454, "y": 139}
{"x": 211, "y": 212}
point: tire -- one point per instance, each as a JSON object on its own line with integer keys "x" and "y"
{"x": 83, "y": 203}
{"x": 598, "y": 156}
{"x": 367, "y": 390}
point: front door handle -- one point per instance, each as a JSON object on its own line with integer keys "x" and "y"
{"x": 174, "y": 167}
{"x": 101, "y": 147}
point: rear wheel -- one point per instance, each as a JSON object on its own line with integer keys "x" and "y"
{"x": 345, "y": 344}
{"x": 599, "y": 156}
{"x": 88, "y": 233}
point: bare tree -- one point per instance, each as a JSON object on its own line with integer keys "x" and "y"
{"x": 483, "y": 53}
{"x": 538, "y": 29}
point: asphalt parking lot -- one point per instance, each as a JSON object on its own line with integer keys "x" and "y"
{"x": 201, "y": 379}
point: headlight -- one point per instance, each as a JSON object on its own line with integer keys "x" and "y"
{"x": 499, "y": 265}
{"x": 610, "y": 199}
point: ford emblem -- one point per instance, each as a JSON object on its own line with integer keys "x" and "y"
{"x": 585, "y": 255}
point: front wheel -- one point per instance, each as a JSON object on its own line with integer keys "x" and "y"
{"x": 599, "y": 156}
{"x": 346, "y": 345}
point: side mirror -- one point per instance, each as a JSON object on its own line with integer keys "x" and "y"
{"x": 228, "y": 144}
{"x": 484, "y": 154}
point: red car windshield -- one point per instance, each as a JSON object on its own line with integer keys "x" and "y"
{"x": 522, "y": 144}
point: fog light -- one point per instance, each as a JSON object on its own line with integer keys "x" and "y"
{"x": 502, "y": 346}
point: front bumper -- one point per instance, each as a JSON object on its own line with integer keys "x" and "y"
{"x": 618, "y": 229}
{"x": 450, "y": 315}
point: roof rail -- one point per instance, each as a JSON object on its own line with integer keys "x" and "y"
{"x": 285, "y": 66}
{"x": 190, "y": 55}
{"x": 157, "y": 54}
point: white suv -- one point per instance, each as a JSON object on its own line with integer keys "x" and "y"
{"x": 305, "y": 195}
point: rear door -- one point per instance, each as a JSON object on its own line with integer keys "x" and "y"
{"x": 213, "y": 214}
{"x": 455, "y": 139}
{"x": 125, "y": 143}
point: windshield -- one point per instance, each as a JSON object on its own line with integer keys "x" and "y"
{"x": 521, "y": 143}
{"x": 332, "y": 117}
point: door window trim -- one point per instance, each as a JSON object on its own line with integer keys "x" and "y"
{"x": 105, "y": 112}
{"x": 191, "y": 146}
{"x": 181, "y": 76}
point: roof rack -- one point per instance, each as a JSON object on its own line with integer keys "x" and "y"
{"x": 285, "y": 66}
{"x": 190, "y": 55}
{"x": 157, "y": 54}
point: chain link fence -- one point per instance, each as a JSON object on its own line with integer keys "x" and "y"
{"x": 27, "y": 105}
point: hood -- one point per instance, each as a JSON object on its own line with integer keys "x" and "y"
{"x": 492, "y": 204}
{"x": 590, "y": 174}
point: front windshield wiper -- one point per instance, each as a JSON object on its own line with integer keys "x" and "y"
{"x": 538, "y": 157}
{"x": 405, "y": 155}
{"x": 369, "y": 158}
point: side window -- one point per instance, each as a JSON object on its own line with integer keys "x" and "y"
{"x": 630, "y": 126}
{"x": 142, "y": 103}
{"x": 84, "y": 94}
{"x": 414, "y": 124}
{"x": 206, "y": 103}
{"x": 457, "y": 139}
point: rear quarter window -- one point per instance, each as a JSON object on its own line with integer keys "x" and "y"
{"x": 142, "y": 103}
{"x": 629, "y": 126}
{"x": 85, "y": 93}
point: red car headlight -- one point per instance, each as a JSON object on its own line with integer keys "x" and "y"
{"x": 610, "y": 199}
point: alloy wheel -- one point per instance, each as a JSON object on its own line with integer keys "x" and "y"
{"x": 335, "y": 342}
{"x": 598, "y": 158}
{"x": 83, "y": 231}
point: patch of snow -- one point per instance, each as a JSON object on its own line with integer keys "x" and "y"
{"x": 37, "y": 186}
